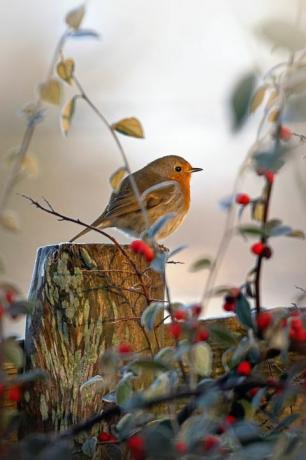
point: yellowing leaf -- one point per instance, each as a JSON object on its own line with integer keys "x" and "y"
{"x": 258, "y": 98}
{"x": 67, "y": 115}
{"x": 29, "y": 165}
{"x": 258, "y": 210}
{"x": 65, "y": 70}
{"x": 74, "y": 18}
{"x": 201, "y": 359}
{"x": 272, "y": 99}
{"x": 116, "y": 178}
{"x": 9, "y": 220}
{"x": 274, "y": 116}
{"x": 129, "y": 127}
{"x": 50, "y": 91}
{"x": 297, "y": 234}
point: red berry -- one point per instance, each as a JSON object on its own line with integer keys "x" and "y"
{"x": 210, "y": 442}
{"x": 296, "y": 323}
{"x": 2, "y": 311}
{"x": 175, "y": 330}
{"x": 136, "y": 446}
{"x": 253, "y": 391}
{"x": 196, "y": 310}
{"x": 106, "y": 437}
{"x": 148, "y": 253}
{"x": 10, "y": 296}
{"x": 258, "y": 248}
{"x": 230, "y": 419}
{"x": 124, "y": 348}
{"x": 267, "y": 252}
{"x": 229, "y": 306}
{"x": 243, "y": 199}
{"x": 181, "y": 447}
{"x": 269, "y": 175}
{"x": 263, "y": 320}
{"x": 136, "y": 245}
{"x": 285, "y": 133}
{"x": 14, "y": 393}
{"x": 244, "y": 368}
{"x": 201, "y": 335}
{"x": 180, "y": 315}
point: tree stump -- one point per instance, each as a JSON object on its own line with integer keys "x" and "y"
{"x": 87, "y": 298}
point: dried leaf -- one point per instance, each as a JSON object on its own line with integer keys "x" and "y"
{"x": 258, "y": 210}
{"x": 274, "y": 116}
{"x": 9, "y": 220}
{"x": 65, "y": 70}
{"x": 50, "y": 91}
{"x": 129, "y": 127}
{"x": 272, "y": 99}
{"x": 116, "y": 178}
{"x": 67, "y": 115}
{"x": 74, "y": 18}
{"x": 297, "y": 234}
{"x": 283, "y": 34}
{"x": 258, "y": 98}
{"x": 29, "y": 165}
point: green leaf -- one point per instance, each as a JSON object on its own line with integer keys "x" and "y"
{"x": 123, "y": 392}
{"x": 201, "y": 264}
{"x": 31, "y": 376}
{"x": 75, "y": 17}
{"x": 280, "y": 230}
{"x": 272, "y": 161}
{"x": 223, "y": 335}
{"x": 89, "y": 447}
{"x": 241, "y": 98}
{"x": 125, "y": 426}
{"x": 165, "y": 355}
{"x": 130, "y": 127}
{"x": 148, "y": 364}
{"x": 149, "y": 315}
{"x": 201, "y": 359}
{"x": 243, "y": 311}
{"x": 13, "y": 353}
{"x": 50, "y": 91}
{"x": 251, "y": 230}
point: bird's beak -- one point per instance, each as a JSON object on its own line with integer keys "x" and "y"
{"x": 195, "y": 170}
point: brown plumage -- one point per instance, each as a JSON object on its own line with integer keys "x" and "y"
{"x": 123, "y": 211}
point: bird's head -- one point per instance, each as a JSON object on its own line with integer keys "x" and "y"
{"x": 173, "y": 167}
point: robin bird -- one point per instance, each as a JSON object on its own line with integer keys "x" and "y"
{"x": 164, "y": 185}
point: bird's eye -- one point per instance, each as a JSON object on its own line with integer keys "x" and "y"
{"x": 178, "y": 168}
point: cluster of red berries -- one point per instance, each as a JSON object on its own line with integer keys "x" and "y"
{"x": 14, "y": 393}
{"x": 230, "y": 300}
{"x": 264, "y": 320}
{"x": 9, "y": 298}
{"x": 140, "y": 247}
{"x": 180, "y": 316}
{"x": 261, "y": 249}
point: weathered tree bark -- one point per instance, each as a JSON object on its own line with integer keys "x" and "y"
{"x": 87, "y": 298}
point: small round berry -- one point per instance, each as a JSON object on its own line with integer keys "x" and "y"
{"x": 175, "y": 330}
{"x": 210, "y": 442}
{"x": 201, "y": 335}
{"x": 180, "y": 315}
{"x": 285, "y": 133}
{"x": 125, "y": 348}
{"x": 10, "y": 296}
{"x": 106, "y": 437}
{"x": 196, "y": 310}
{"x": 148, "y": 253}
{"x": 181, "y": 447}
{"x": 267, "y": 252}
{"x": 14, "y": 393}
{"x": 269, "y": 175}
{"x": 244, "y": 368}
{"x": 258, "y": 248}
{"x": 136, "y": 446}
{"x": 136, "y": 246}
{"x": 243, "y": 199}
{"x": 229, "y": 306}
{"x": 253, "y": 391}
{"x": 263, "y": 320}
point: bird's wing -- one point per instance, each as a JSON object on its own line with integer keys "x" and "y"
{"x": 124, "y": 202}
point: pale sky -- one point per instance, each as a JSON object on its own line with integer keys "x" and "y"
{"x": 172, "y": 64}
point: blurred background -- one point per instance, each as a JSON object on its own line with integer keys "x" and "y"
{"x": 172, "y": 64}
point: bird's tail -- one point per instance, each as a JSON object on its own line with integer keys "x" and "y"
{"x": 100, "y": 222}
